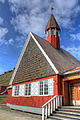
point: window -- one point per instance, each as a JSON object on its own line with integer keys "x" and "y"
{"x": 44, "y": 87}
{"x": 28, "y": 89}
{"x": 56, "y": 33}
{"x": 52, "y": 32}
{"x": 16, "y": 92}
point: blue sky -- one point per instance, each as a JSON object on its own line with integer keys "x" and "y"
{"x": 19, "y": 17}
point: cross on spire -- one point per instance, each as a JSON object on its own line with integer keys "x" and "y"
{"x": 52, "y": 10}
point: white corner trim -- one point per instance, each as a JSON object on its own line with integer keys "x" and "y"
{"x": 70, "y": 72}
{"x": 20, "y": 58}
{"x": 44, "y": 53}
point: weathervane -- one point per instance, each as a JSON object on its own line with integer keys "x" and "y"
{"x": 52, "y": 10}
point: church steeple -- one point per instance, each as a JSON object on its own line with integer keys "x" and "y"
{"x": 53, "y": 31}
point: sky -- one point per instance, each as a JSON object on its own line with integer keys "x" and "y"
{"x": 19, "y": 17}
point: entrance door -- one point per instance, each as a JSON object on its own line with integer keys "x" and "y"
{"x": 75, "y": 94}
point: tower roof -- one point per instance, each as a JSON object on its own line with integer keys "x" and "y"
{"x": 52, "y": 23}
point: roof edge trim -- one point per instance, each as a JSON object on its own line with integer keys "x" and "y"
{"x": 20, "y": 58}
{"x": 45, "y": 55}
{"x": 66, "y": 73}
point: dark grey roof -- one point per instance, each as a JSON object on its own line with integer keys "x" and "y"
{"x": 62, "y": 59}
{"x": 52, "y": 23}
{"x": 5, "y": 78}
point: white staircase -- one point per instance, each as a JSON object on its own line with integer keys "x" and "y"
{"x": 51, "y": 106}
{"x": 66, "y": 113}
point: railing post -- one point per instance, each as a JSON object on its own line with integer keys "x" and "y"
{"x": 43, "y": 113}
{"x": 47, "y": 111}
{"x": 61, "y": 100}
{"x": 58, "y": 101}
{"x": 51, "y": 106}
{"x": 54, "y": 104}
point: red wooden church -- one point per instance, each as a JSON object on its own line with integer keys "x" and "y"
{"x": 44, "y": 72}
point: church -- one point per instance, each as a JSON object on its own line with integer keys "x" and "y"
{"x": 44, "y": 72}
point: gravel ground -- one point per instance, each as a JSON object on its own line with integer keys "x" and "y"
{"x": 7, "y": 114}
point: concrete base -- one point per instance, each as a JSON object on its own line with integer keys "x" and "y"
{"x": 26, "y": 108}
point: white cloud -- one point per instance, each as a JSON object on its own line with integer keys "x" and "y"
{"x": 3, "y": 32}
{"x": 9, "y": 42}
{"x": 33, "y": 15}
{"x": 75, "y": 36}
{"x": 1, "y": 21}
{"x": 2, "y": 1}
{"x": 75, "y": 51}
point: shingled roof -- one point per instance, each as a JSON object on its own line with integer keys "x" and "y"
{"x": 52, "y": 23}
{"x": 40, "y": 58}
{"x": 62, "y": 59}
{"x": 5, "y": 78}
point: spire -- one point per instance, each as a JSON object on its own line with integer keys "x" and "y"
{"x": 53, "y": 31}
{"x": 52, "y": 22}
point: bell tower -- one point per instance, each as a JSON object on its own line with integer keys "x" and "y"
{"x": 53, "y": 31}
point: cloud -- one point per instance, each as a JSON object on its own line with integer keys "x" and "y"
{"x": 75, "y": 51}
{"x": 3, "y": 32}
{"x": 1, "y": 21}
{"x": 74, "y": 37}
{"x": 9, "y": 42}
{"x": 2, "y": 1}
{"x": 33, "y": 15}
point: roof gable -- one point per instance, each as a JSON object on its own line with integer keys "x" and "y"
{"x": 33, "y": 63}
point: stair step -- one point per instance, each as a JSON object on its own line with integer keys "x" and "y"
{"x": 66, "y": 116}
{"x": 69, "y": 110}
{"x": 69, "y": 113}
{"x": 57, "y": 117}
{"x": 70, "y": 106}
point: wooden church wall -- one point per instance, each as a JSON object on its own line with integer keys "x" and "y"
{"x": 35, "y": 101}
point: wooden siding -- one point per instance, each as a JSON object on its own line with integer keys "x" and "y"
{"x": 35, "y": 101}
{"x": 33, "y": 65}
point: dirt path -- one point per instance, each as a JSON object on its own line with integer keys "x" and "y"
{"x": 7, "y": 114}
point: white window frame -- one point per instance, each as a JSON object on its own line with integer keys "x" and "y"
{"x": 16, "y": 90}
{"x": 27, "y": 91}
{"x": 43, "y": 92}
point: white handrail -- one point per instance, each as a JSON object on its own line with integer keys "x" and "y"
{"x": 49, "y": 101}
{"x": 51, "y": 106}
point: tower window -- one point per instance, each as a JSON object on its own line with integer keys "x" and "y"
{"x": 52, "y": 32}
{"x": 56, "y": 33}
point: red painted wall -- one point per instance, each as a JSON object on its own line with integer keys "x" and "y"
{"x": 54, "y": 40}
{"x": 3, "y": 88}
{"x": 35, "y": 101}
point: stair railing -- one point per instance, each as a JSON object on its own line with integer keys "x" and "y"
{"x": 51, "y": 105}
